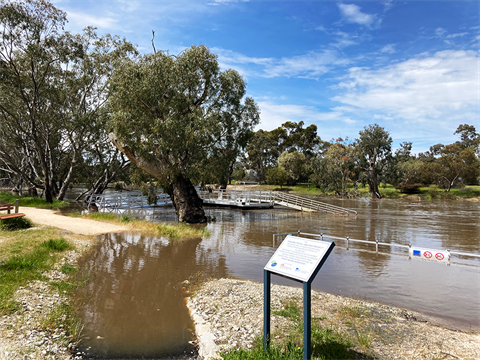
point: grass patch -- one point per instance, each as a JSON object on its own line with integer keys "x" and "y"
{"x": 68, "y": 269}
{"x": 290, "y": 310}
{"x": 21, "y": 263}
{"x": 18, "y": 223}
{"x": 64, "y": 315}
{"x": 57, "y": 245}
{"x": 179, "y": 231}
{"x": 352, "y": 311}
{"x": 327, "y": 343}
{"x": 32, "y": 201}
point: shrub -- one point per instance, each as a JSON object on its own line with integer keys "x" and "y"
{"x": 409, "y": 188}
{"x": 15, "y": 224}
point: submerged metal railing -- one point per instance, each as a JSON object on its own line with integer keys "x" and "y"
{"x": 306, "y": 204}
{"x": 127, "y": 200}
{"x": 377, "y": 243}
{"x": 136, "y": 199}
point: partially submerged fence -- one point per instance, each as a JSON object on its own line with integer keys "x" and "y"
{"x": 241, "y": 198}
{"x": 306, "y": 204}
{"x": 410, "y": 248}
{"x": 127, "y": 200}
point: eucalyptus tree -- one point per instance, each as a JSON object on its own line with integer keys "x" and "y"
{"x": 52, "y": 93}
{"x": 375, "y": 146}
{"x": 336, "y": 168}
{"x": 293, "y": 162}
{"x": 33, "y": 49}
{"x": 262, "y": 153}
{"x": 176, "y": 117}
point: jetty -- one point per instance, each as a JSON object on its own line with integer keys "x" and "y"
{"x": 240, "y": 199}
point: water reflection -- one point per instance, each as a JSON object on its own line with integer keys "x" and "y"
{"x": 134, "y": 299}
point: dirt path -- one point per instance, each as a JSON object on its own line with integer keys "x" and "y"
{"x": 75, "y": 225}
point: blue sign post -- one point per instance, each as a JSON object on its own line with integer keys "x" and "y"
{"x": 298, "y": 259}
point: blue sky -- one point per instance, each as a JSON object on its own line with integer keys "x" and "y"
{"x": 412, "y": 67}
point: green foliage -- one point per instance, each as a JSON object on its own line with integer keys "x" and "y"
{"x": 53, "y": 88}
{"x": 409, "y": 188}
{"x": 276, "y": 176}
{"x": 15, "y": 224}
{"x": 262, "y": 153}
{"x": 293, "y": 163}
{"x": 375, "y": 149}
{"x": 336, "y": 169}
{"x": 190, "y": 110}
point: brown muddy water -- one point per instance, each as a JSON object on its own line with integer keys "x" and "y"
{"x": 135, "y": 299}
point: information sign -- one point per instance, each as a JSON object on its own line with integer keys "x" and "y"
{"x": 429, "y": 254}
{"x": 298, "y": 257}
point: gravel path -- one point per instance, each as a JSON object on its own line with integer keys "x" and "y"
{"x": 75, "y": 225}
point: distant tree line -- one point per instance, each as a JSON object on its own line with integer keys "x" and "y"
{"x": 292, "y": 154}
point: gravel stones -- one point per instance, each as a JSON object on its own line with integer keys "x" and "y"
{"x": 26, "y": 334}
{"x": 229, "y": 313}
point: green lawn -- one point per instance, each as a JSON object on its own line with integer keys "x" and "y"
{"x": 8, "y": 197}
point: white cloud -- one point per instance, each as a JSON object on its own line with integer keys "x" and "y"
{"x": 387, "y": 5}
{"x": 129, "y": 5}
{"x": 440, "y": 32}
{"x": 83, "y": 20}
{"x": 223, "y": 2}
{"x": 451, "y": 36}
{"x": 352, "y": 14}
{"x": 425, "y": 87}
{"x": 388, "y": 49}
{"x": 273, "y": 115}
{"x": 309, "y": 66}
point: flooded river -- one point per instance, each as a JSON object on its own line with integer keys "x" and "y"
{"x": 135, "y": 303}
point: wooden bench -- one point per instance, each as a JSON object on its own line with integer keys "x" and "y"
{"x": 8, "y": 208}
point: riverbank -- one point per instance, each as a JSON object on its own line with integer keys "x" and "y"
{"x": 38, "y": 320}
{"x": 230, "y": 315}
{"x": 425, "y": 193}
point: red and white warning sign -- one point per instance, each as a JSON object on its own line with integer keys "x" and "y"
{"x": 429, "y": 254}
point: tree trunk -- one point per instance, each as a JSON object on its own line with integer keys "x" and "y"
{"x": 188, "y": 205}
{"x": 183, "y": 194}
{"x": 373, "y": 183}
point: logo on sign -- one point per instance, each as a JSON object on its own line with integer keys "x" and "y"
{"x": 427, "y": 254}
{"x": 297, "y": 269}
{"x": 273, "y": 263}
{"x": 417, "y": 253}
{"x": 439, "y": 256}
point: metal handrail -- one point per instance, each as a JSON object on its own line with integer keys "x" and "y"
{"x": 376, "y": 243}
{"x": 311, "y": 204}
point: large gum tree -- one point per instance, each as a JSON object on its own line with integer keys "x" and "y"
{"x": 175, "y": 117}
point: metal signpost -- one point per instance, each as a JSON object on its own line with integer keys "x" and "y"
{"x": 299, "y": 259}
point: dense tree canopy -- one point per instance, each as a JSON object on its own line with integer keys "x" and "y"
{"x": 176, "y": 117}
{"x": 52, "y": 93}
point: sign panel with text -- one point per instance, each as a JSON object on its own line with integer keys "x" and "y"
{"x": 298, "y": 257}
